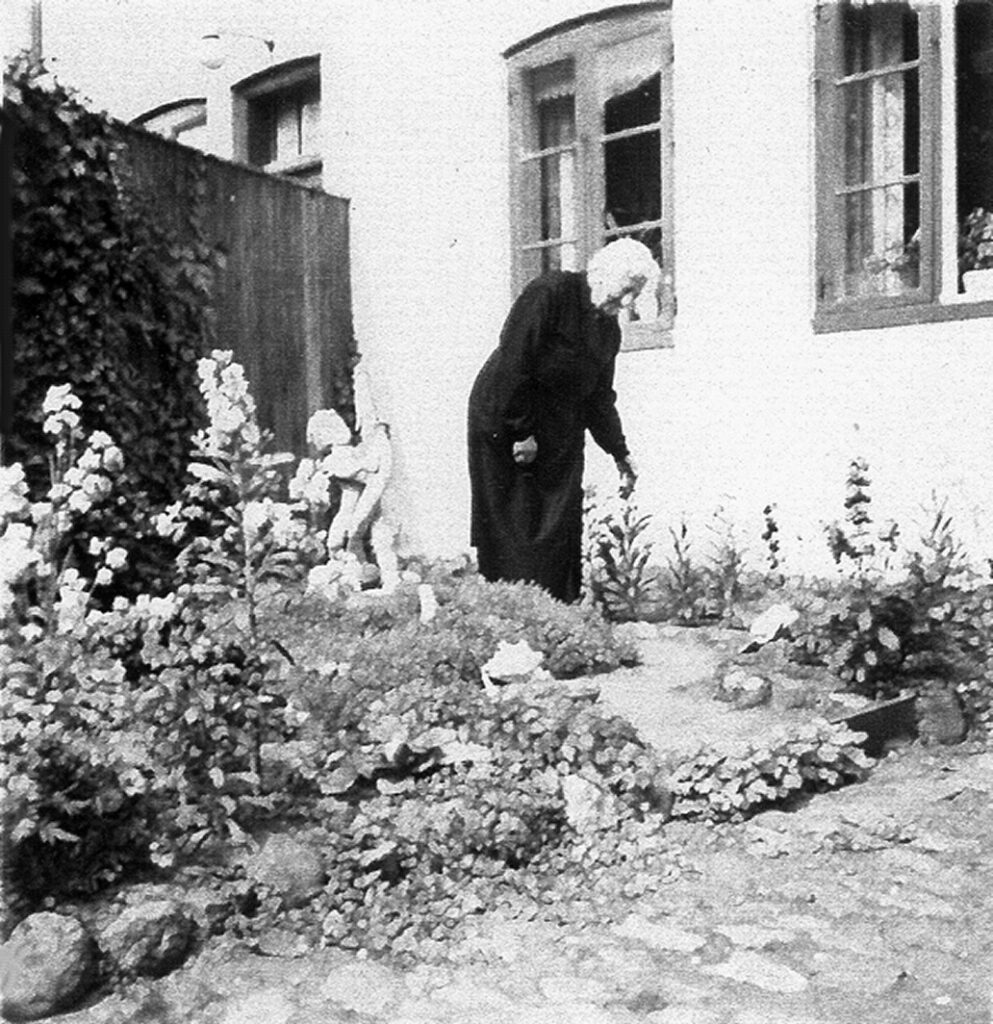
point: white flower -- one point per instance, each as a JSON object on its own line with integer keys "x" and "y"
{"x": 57, "y": 421}
{"x": 104, "y": 577}
{"x": 13, "y": 491}
{"x": 100, "y": 439}
{"x": 326, "y": 428}
{"x": 254, "y": 519}
{"x": 96, "y": 546}
{"x": 16, "y": 552}
{"x": 286, "y": 531}
{"x": 310, "y": 484}
{"x": 116, "y": 558}
{"x": 233, "y": 381}
{"x": 113, "y": 460}
{"x": 59, "y": 397}
{"x": 79, "y": 501}
{"x": 31, "y": 631}
{"x": 228, "y": 418}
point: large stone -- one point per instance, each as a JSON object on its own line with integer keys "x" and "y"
{"x": 47, "y": 965}
{"x": 149, "y": 939}
{"x": 742, "y": 688}
{"x": 588, "y": 807}
{"x": 939, "y": 716}
{"x": 289, "y": 868}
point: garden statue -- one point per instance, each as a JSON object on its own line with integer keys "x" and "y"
{"x": 361, "y": 469}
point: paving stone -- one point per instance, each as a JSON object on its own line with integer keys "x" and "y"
{"x": 469, "y": 996}
{"x": 364, "y": 987}
{"x": 270, "y": 1006}
{"x": 766, "y": 1016}
{"x": 659, "y": 936}
{"x": 752, "y": 936}
{"x": 576, "y": 1013}
{"x": 566, "y": 987}
{"x": 854, "y": 971}
{"x": 684, "y": 1014}
{"x": 755, "y": 969}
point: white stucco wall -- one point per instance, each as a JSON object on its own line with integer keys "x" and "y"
{"x": 749, "y": 407}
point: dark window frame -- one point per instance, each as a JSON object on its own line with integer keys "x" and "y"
{"x": 922, "y": 304}
{"x": 257, "y": 97}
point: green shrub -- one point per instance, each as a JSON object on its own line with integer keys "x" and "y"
{"x": 725, "y": 786}
{"x": 884, "y": 632}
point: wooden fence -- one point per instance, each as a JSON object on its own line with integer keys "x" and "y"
{"x": 282, "y": 300}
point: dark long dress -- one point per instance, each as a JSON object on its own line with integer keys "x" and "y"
{"x": 552, "y": 377}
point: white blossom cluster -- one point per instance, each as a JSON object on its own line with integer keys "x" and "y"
{"x": 29, "y": 532}
{"x": 230, "y": 406}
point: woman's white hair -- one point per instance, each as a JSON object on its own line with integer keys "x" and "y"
{"x": 621, "y": 265}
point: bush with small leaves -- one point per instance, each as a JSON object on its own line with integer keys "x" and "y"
{"x": 728, "y": 786}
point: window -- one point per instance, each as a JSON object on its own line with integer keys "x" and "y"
{"x": 178, "y": 120}
{"x": 899, "y": 167}
{"x": 277, "y": 115}
{"x": 591, "y": 149}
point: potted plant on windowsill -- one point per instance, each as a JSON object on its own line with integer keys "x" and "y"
{"x": 976, "y": 254}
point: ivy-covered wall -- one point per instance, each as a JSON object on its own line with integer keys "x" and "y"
{"x": 103, "y": 297}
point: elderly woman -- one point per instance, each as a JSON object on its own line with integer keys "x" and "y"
{"x": 547, "y": 383}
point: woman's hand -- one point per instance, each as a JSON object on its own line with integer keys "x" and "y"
{"x": 525, "y": 452}
{"x": 628, "y": 475}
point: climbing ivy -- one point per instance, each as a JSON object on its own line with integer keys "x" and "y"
{"x": 105, "y": 298}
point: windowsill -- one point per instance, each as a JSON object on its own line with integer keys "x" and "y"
{"x": 899, "y": 316}
{"x": 642, "y": 334}
{"x": 296, "y": 165}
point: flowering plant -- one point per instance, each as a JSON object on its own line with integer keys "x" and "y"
{"x": 41, "y": 587}
{"x": 238, "y": 536}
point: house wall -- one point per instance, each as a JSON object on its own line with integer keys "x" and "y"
{"x": 749, "y": 406}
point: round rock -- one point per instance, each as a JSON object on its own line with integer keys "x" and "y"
{"x": 47, "y": 965}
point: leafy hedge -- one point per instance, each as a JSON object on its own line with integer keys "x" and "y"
{"x": 104, "y": 298}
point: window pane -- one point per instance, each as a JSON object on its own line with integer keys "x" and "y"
{"x": 878, "y": 35}
{"x": 974, "y": 105}
{"x": 882, "y": 128}
{"x": 549, "y": 190}
{"x": 261, "y": 132}
{"x": 639, "y": 106}
{"x": 882, "y": 241}
{"x": 632, "y": 180}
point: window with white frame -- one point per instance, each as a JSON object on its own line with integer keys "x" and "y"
{"x": 591, "y": 149}
{"x": 904, "y": 129}
{"x": 277, "y": 117}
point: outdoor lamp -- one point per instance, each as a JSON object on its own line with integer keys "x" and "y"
{"x": 213, "y": 51}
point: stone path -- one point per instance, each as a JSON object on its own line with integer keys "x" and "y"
{"x": 872, "y": 903}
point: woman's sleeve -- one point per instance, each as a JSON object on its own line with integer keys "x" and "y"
{"x": 513, "y": 383}
{"x": 603, "y": 419}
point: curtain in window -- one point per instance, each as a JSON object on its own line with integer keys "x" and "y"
{"x": 880, "y": 110}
